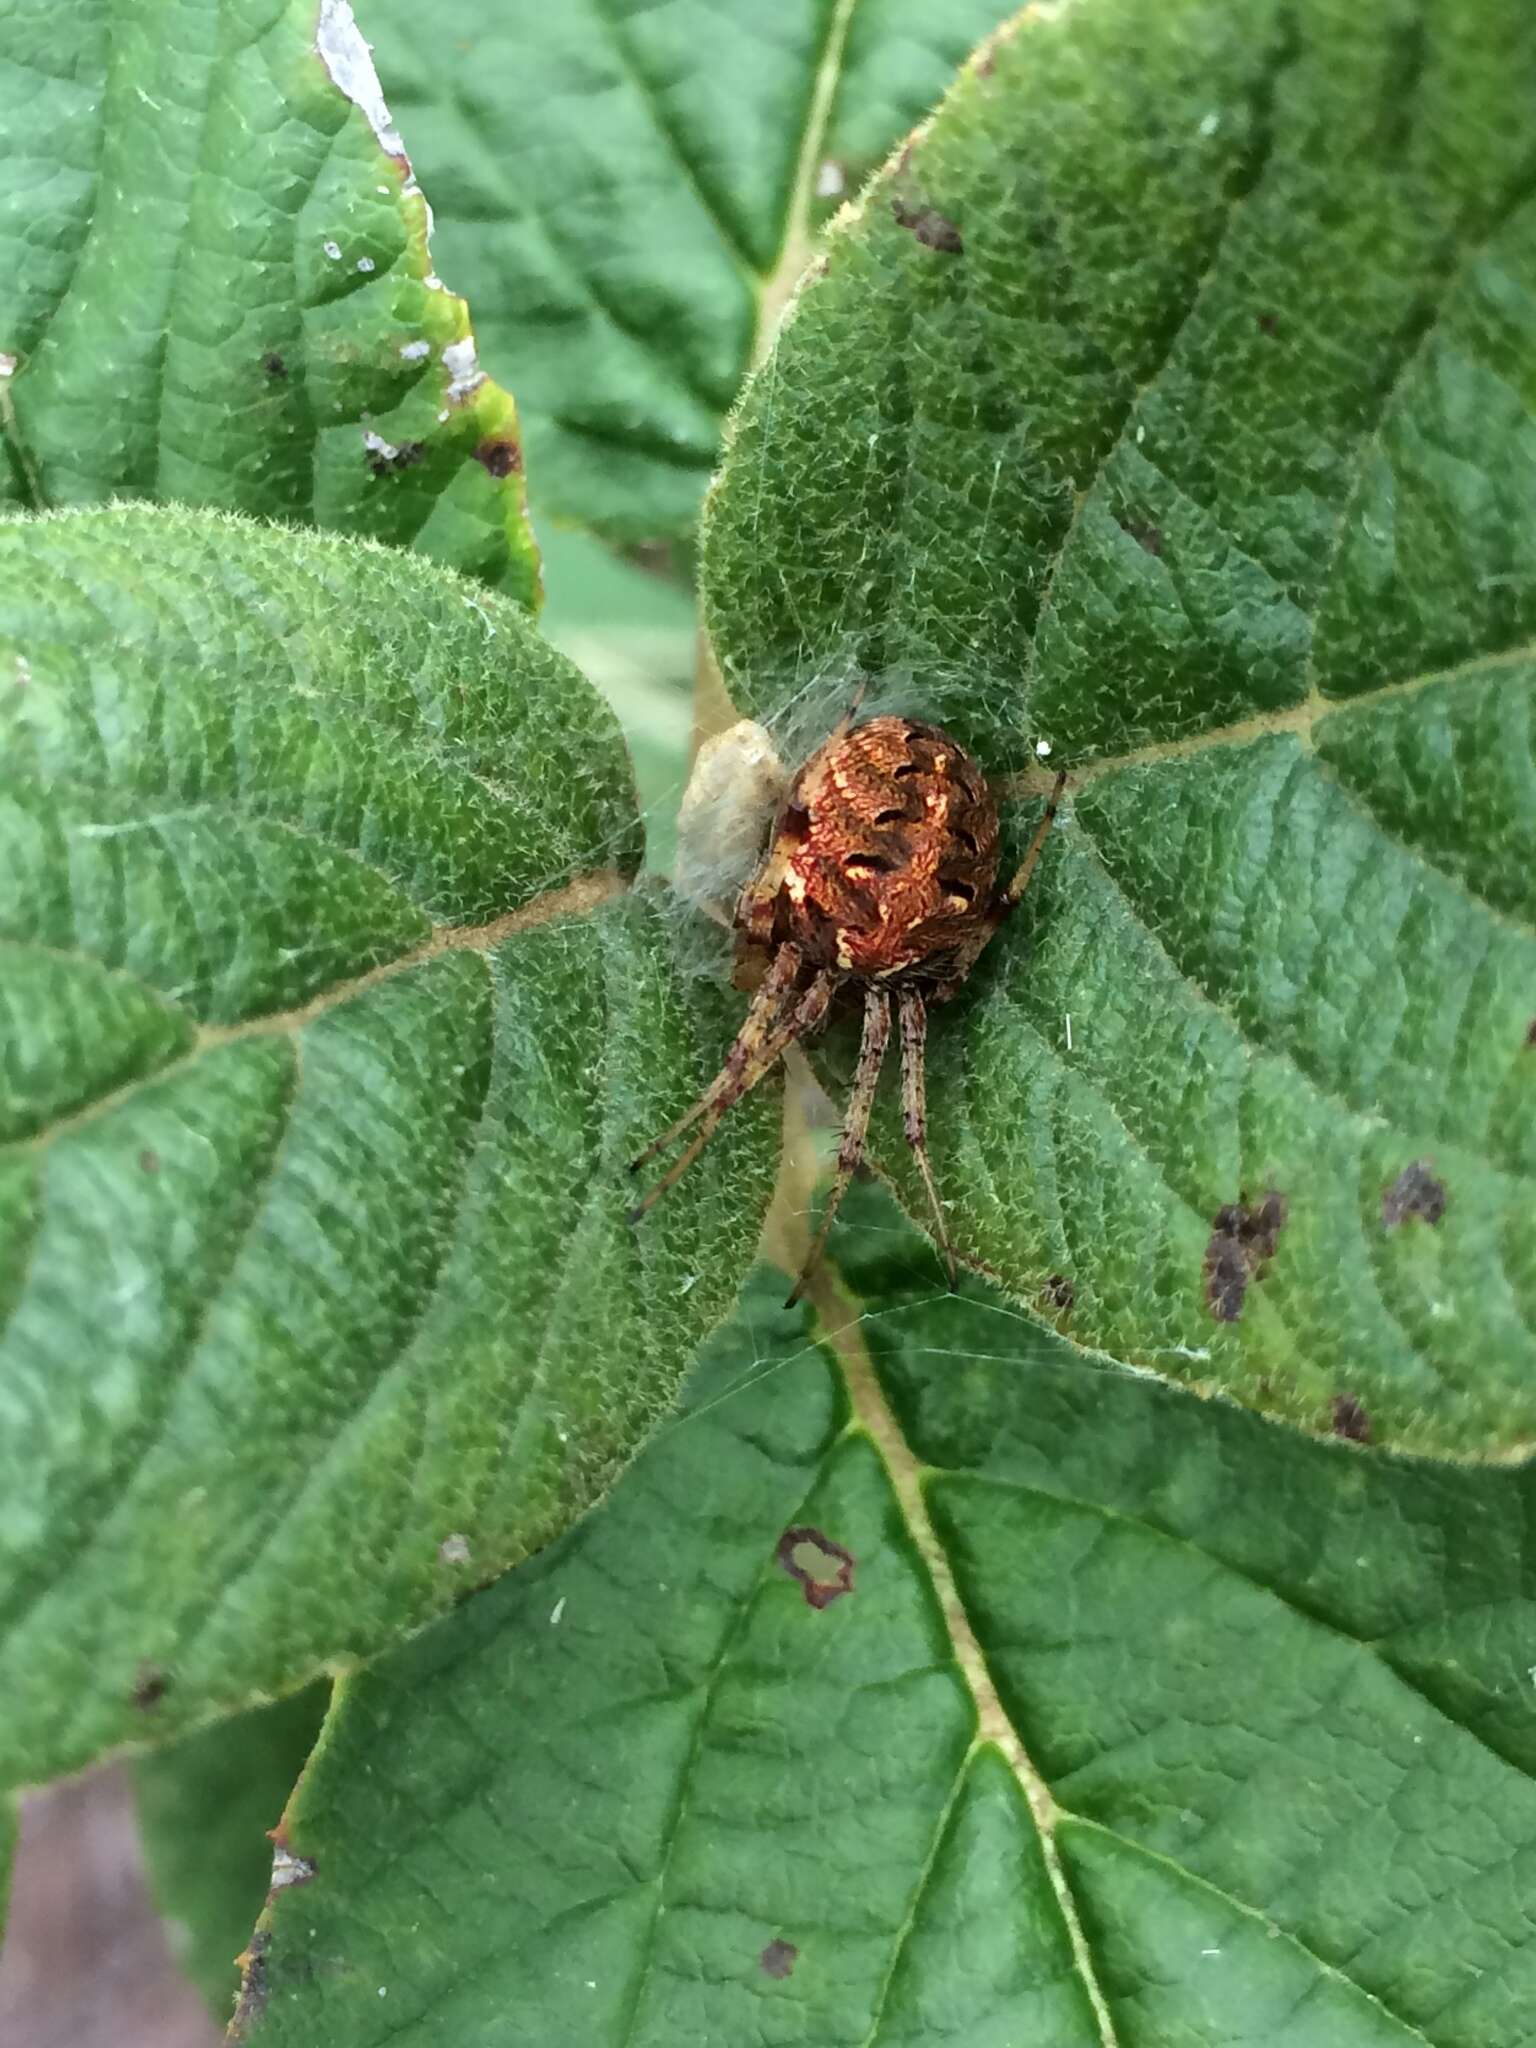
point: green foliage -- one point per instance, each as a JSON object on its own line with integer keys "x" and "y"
{"x": 219, "y": 290}
{"x": 1271, "y": 1695}
{"x": 625, "y": 194}
{"x": 320, "y": 1302}
{"x": 208, "y": 1807}
{"x": 1213, "y": 467}
{"x": 1164, "y": 412}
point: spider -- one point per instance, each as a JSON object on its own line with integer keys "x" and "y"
{"x": 881, "y": 875}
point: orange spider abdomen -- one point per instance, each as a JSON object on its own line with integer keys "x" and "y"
{"x": 883, "y": 862}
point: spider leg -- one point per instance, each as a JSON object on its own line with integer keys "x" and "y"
{"x": 757, "y": 1026}
{"x": 914, "y": 1111}
{"x": 732, "y": 1083}
{"x": 1008, "y": 897}
{"x": 850, "y": 1150}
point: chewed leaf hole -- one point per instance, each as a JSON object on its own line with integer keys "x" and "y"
{"x": 823, "y": 1568}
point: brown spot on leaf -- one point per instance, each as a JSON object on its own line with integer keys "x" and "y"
{"x": 149, "y": 1160}
{"x": 778, "y": 1959}
{"x": 273, "y": 364}
{"x": 1243, "y": 1241}
{"x": 1415, "y": 1192}
{"x": 927, "y": 225}
{"x": 252, "y": 1966}
{"x": 149, "y": 1688}
{"x": 1269, "y": 323}
{"x": 1058, "y": 1293}
{"x": 499, "y": 457}
{"x": 1148, "y": 537}
{"x": 1350, "y": 1419}
{"x": 805, "y": 1553}
{"x": 1530, "y": 1036}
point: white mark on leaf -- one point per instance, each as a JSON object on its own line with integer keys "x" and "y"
{"x": 341, "y": 49}
{"x": 462, "y": 365}
{"x": 289, "y": 1869}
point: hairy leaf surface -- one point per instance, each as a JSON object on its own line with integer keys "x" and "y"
{"x": 318, "y": 1301}
{"x": 1170, "y": 412}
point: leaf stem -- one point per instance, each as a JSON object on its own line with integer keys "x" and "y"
{"x": 841, "y": 1323}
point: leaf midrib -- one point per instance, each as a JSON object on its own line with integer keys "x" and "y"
{"x": 1301, "y": 718}
{"x": 840, "y": 1320}
{"x": 1312, "y": 1617}
{"x": 581, "y": 897}
{"x": 908, "y": 1475}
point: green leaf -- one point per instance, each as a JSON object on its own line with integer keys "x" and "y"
{"x": 1268, "y": 1698}
{"x": 319, "y": 1305}
{"x": 626, "y": 194}
{"x": 220, "y": 290}
{"x": 208, "y": 1810}
{"x": 1204, "y": 453}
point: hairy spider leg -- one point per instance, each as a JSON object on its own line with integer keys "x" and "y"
{"x": 850, "y": 1150}
{"x": 914, "y": 1111}
{"x": 1020, "y": 882}
{"x": 762, "y": 1013}
{"x": 727, "y": 1089}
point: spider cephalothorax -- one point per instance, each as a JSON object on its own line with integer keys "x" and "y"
{"x": 881, "y": 874}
